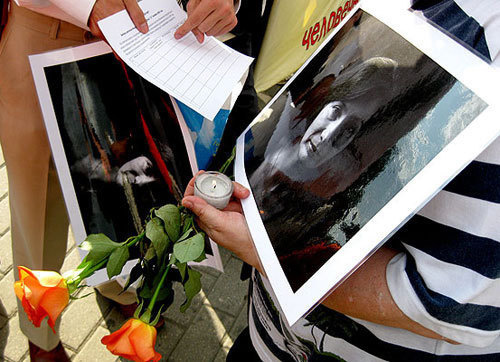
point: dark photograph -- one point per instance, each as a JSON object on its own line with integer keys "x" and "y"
{"x": 122, "y": 142}
{"x": 365, "y": 116}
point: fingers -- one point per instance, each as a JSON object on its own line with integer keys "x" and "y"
{"x": 105, "y": 8}
{"x": 136, "y": 15}
{"x": 96, "y": 31}
{"x": 240, "y": 191}
{"x": 191, "y": 5}
{"x": 212, "y": 17}
{"x": 190, "y": 187}
{"x": 234, "y": 206}
{"x": 208, "y": 215}
{"x": 194, "y": 19}
{"x": 199, "y": 35}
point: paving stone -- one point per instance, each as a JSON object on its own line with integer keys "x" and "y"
{"x": 3, "y": 322}
{"x": 12, "y": 341}
{"x": 79, "y": 319}
{"x": 71, "y": 240}
{"x": 221, "y": 355}
{"x": 8, "y": 303}
{"x": 226, "y": 344}
{"x": 5, "y": 253}
{"x": 94, "y": 350}
{"x": 71, "y": 261}
{"x": 174, "y": 314}
{"x": 207, "y": 270}
{"x": 4, "y": 215}
{"x": 240, "y": 323}
{"x": 201, "y": 342}
{"x": 229, "y": 293}
{"x": 167, "y": 338}
{"x": 113, "y": 320}
{"x": 225, "y": 256}
{"x": 4, "y": 182}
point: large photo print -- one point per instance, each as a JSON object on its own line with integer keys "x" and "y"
{"x": 365, "y": 116}
{"x": 352, "y": 129}
{"x": 120, "y": 135}
{"x": 121, "y": 145}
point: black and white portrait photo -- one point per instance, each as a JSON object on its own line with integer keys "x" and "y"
{"x": 365, "y": 115}
{"x": 122, "y": 142}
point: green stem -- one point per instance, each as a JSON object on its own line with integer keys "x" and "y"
{"x": 136, "y": 239}
{"x": 158, "y": 287}
{"x": 104, "y": 261}
{"x": 226, "y": 164}
{"x": 194, "y": 228}
{"x": 146, "y": 316}
{"x": 74, "y": 284}
{"x": 93, "y": 269}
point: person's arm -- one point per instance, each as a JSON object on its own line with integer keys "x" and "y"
{"x": 75, "y": 12}
{"x": 228, "y": 227}
{"x": 86, "y": 13}
{"x": 363, "y": 295}
{"x": 105, "y": 8}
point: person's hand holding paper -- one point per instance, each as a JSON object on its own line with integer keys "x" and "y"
{"x": 210, "y": 17}
{"x": 105, "y": 8}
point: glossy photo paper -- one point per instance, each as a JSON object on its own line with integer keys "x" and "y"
{"x": 119, "y": 147}
{"x": 377, "y": 121}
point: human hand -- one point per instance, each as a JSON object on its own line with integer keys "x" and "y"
{"x": 210, "y": 17}
{"x": 227, "y": 227}
{"x": 105, "y": 8}
{"x": 135, "y": 171}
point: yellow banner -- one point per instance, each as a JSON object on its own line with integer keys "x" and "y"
{"x": 295, "y": 29}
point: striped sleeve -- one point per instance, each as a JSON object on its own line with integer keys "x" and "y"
{"x": 448, "y": 280}
{"x": 474, "y": 23}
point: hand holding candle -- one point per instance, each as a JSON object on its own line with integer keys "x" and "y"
{"x": 226, "y": 227}
{"x": 214, "y": 187}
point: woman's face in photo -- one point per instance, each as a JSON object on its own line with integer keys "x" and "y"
{"x": 333, "y": 129}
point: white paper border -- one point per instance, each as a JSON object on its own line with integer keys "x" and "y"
{"x": 466, "y": 67}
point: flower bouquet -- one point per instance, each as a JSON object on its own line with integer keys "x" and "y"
{"x": 169, "y": 240}
{"x": 170, "y": 237}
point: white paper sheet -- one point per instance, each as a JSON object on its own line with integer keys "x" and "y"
{"x": 201, "y": 76}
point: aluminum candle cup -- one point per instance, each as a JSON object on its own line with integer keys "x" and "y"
{"x": 214, "y": 187}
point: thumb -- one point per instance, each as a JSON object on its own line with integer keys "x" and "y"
{"x": 208, "y": 215}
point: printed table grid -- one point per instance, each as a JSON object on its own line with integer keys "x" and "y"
{"x": 197, "y": 77}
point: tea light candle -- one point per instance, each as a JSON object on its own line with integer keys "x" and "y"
{"x": 214, "y": 187}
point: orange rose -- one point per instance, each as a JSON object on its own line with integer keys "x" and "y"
{"x": 135, "y": 340}
{"x": 42, "y": 294}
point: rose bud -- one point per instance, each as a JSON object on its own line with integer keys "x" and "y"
{"x": 42, "y": 294}
{"x": 135, "y": 341}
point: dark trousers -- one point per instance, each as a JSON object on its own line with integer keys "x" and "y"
{"x": 242, "y": 349}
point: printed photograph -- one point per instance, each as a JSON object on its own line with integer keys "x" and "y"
{"x": 365, "y": 116}
{"x": 122, "y": 142}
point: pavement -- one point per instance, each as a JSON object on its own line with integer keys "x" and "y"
{"x": 204, "y": 333}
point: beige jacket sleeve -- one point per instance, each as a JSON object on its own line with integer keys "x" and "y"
{"x": 73, "y": 11}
